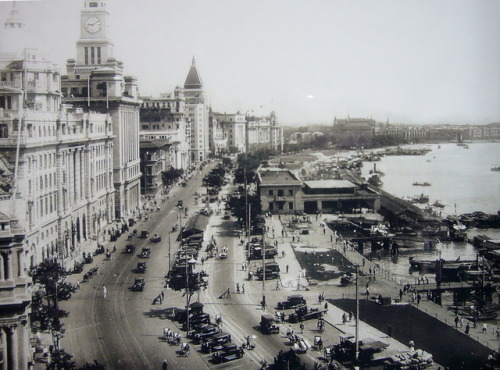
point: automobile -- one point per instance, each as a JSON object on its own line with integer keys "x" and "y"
{"x": 180, "y": 203}
{"x": 129, "y": 249}
{"x": 144, "y": 234}
{"x": 198, "y": 238}
{"x": 268, "y": 324}
{"x": 229, "y": 352}
{"x": 292, "y": 301}
{"x": 215, "y": 342}
{"x": 146, "y": 252}
{"x": 155, "y": 239}
{"x": 270, "y": 274}
{"x": 226, "y": 216}
{"x": 139, "y": 284}
{"x": 222, "y": 255}
{"x": 199, "y": 318}
{"x": 141, "y": 267}
{"x": 206, "y": 333}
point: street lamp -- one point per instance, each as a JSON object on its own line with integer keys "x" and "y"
{"x": 191, "y": 262}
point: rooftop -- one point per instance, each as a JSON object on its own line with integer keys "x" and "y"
{"x": 329, "y": 184}
{"x": 277, "y": 176}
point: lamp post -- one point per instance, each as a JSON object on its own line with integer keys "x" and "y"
{"x": 191, "y": 263}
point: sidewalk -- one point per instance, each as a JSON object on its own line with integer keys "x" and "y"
{"x": 380, "y": 281}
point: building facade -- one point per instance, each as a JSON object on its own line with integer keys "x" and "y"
{"x": 263, "y": 133}
{"x": 95, "y": 82}
{"x": 198, "y": 114}
{"x": 354, "y": 131}
{"x": 233, "y": 129}
{"x": 164, "y": 118}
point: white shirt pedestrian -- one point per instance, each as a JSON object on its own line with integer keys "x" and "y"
{"x": 104, "y": 291}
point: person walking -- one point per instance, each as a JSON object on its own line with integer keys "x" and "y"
{"x": 164, "y": 365}
{"x": 104, "y": 291}
{"x": 243, "y": 288}
{"x": 301, "y": 328}
{"x": 287, "y": 269}
{"x": 456, "y": 322}
{"x": 277, "y": 285}
{"x": 467, "y": 329}
{"x": 238, "y": 288}
{"x": 485, "y": 328}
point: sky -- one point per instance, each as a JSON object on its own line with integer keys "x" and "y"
{"x": 406, "y": 61}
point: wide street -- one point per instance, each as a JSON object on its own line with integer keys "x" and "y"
{"x": 123, "y": 330}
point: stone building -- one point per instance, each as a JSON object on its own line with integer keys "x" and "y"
{"x": 198, "y": 114}
{"x": 263, "y": 133}
{"x": 354, "y": 131}
{"x": 234, "y": 130}
{"x": 280, "y": 191}
{"x": 95, "y": 83}
{"x": 165, "y": 118}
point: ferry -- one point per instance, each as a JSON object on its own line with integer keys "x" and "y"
{"x": 420, "y": 199}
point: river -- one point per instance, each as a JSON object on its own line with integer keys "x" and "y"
{"x": 460, "y": 178}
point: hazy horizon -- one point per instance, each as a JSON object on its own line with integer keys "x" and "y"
{"x": 412, "y": 62}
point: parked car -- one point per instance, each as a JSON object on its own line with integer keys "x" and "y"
{"x": 139, "y": 284}
{"x": 206, "y": 333}
{"x": 146, "y": 252}
{"x": 141, "y": 267}
{"x": 130, "y": 249}
{"x": 229, "y": 352}
{"x": 215, "y": 342}
{"x": 144, "y": 234}
{"x": 292, "y": 301}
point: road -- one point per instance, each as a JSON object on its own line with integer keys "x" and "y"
{"x": 123, "y": 330}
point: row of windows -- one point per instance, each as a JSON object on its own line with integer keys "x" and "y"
{"x": 281, "y": 192}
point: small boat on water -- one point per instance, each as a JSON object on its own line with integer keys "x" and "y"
{"x": 495, "y": 168}
{"x": 438, "y": 204}
{"x": 421, "y": 184}
{"x": 422, "y": 199}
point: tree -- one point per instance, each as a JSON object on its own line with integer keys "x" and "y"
{"x": 170, "y": 176}
{"x": 238, "y": 208}
{"x": 50, "y": 276}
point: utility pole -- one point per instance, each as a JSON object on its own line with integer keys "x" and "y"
{"x": 264, "y": 269}
{"x": 357, "y": 316}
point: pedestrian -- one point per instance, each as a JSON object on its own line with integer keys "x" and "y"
{"x": 287, "y": 269}
{"x": 350, "y": 315}
{"x": 228, "y": 293}
{"x": 164, "y": 365}
{"x": 419, "y": 297}
{"x": 78, "y": 284}
{"x": 104, "y": 291}
{"x": 238, "y": 288}
{"x": 485, "y": 328}
{"x": 326, "y": 306}
{"x": 277, "y": 285}
{"x": 467, "y": 328}
{"x": 367, "y": 292}
{"x": 456, "y": 321}
{"x": 243, "y": 288}
{"x": 301, "y": 328}
{"x": 389, "y": 330}
{"x": 344, "y": 318}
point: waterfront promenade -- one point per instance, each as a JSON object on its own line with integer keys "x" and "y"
{"x": 381, "y": 282}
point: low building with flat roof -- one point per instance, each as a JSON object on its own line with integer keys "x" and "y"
{"x": 280, "y": 191}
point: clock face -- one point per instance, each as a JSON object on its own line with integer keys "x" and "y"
{"x": 92, "y": 24}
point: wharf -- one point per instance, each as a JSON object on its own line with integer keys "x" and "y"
{"x": 381, "y": 282}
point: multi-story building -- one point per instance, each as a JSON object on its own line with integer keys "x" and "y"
{"x": 263, "y": 132}
{"x": 404, "y": 132}
{"x": 164, "y": 118}
{"x": 198, "y": 114}
{"x": 95, "y": 82}
{"x": 154, "y": 159}
{"x": 216, "y": 138}
{"x": 280, "y": 191}
{"x": 57, "y": 191}
{"x": 234, "y": 130}
{"x": 354, "y": 131}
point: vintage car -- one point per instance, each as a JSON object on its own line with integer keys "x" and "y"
{"x": 141, "y": 267}
{"x": 292, "y": 301}
{"x": 205, "y": 333}
{"x": 180, "y": 203}
{"x": 226, "y": 216}
{"x": 129, "y": 249}
{"x": 229, "y": 352}
{"x": 267, "y": 324}
{"x": 146, "y": 252}
{"x": 144, "y": 234}
{"x": 215, "y": 342}
{"x": 139, "y": 284}
{"x": 155, "y": 239}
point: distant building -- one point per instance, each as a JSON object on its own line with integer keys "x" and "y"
{"x": 354, "y": 131}
{"x": 405, "y": 132}
{"x": 165, "y": 118}
{"x": 217, "y": 140}
{"x": 95, "y": 82}
{"x": 234, "y": 129}
{"x": 198, "y": 114}
{"x": 263, "y": 133}
{"x": 280, "y": 191}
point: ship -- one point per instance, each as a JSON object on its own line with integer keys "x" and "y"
{"x": 421, "y": 184}
{"x": 438, "y": 204}
{"x": 495, "y": 168}
{"x": 431, "y": 265}
{"x": 420, "y": 199}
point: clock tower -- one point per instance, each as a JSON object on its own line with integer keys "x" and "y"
{"x": 93, "y": 47}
